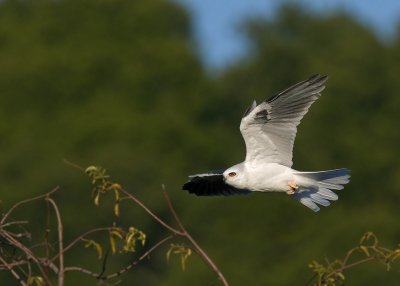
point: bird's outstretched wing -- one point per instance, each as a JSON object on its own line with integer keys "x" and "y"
{"x": 211, "y": 184}
{"x": 269, "y": 129}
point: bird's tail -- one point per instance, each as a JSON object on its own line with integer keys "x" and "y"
{"x": 316, "y": 187}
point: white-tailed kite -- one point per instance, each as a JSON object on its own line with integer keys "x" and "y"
{"x": 269, "y": 130}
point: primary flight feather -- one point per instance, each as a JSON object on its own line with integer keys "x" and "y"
{"x": 269, "y": 130}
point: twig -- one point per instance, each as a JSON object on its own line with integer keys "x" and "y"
{"x": 60, "y": 242}
{"x": 197, "y": 247}
{"x": 103, "y": 268}
{"x": 127, "y": 268}
{"x": 14, "y": 222}
{"x": 311, "y": 279}
{"x": 15, "y": 263}
{"x": 15, "y": 274}
{"x": 28, "y": 253}
{"x": 344, "y": 267}
{"x": 29, "y": 273}
{"x": 143, "y": 256}
{"x": 79, "y": 238}
{"x": 348, "y": 255}
{"x": 74, "y": 165}
{"x": 26, "y": 201}
{"x": 159, "y": 220}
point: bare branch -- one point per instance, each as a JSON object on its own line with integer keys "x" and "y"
{"x": 155, "y": 217}
{"x": 26, "y": 201}
{"x": 344, "y": 267}
{"x": 29, "y": 254}
{"x": 124, "y": 270}
{"x": 196, "y": 246}
{"x": 79, "y": 238}
{"x": 74, "y": 165}
{"x": 60, "y": 242}
{"x": 13, "y": 272}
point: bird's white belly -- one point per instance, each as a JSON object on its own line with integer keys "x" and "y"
{"x": 270, "y": 177}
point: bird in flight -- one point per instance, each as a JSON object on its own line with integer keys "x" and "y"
{"x": 269, "y": 130}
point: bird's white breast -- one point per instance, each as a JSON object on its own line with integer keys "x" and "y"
{"x": 268, "y": 177}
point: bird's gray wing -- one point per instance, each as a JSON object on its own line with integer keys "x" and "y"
{"x": 211, "y": 184}
{"x": 269, "y": 129}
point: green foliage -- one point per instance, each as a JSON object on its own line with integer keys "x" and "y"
{"x": 181, "y": 250}
{"x": 95, "y": 245}
{"x": 128, "y": 238}
{"x": 36, "y": 281}
{"x": 102, "y": 185}
{"x": 332, "y": 273}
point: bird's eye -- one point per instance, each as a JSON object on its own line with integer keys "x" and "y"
{"x": 232, "y": 174}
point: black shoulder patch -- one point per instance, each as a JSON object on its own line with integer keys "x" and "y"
{"x": 262, "y": 115}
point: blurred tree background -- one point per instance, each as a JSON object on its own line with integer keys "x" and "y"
{"x": 120, "y": 83}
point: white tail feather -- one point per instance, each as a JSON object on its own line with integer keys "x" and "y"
{"x": 316, "y": 187}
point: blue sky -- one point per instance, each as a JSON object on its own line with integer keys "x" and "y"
{"x": 216, "y": 22}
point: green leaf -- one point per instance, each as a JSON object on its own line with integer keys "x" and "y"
{"x": 116, "y": 209}
{"x": 113, "y": 244}
{"x": 364, "y": 249}
{"x": 97, "y": 199}
{"x": 395, "y": 255}
{"x": 37, "y": 280}
{"x": 181, "y": 250}
{"x": 90, "y": 170}
{"x": 117, "y": 233}
{"x": 95, "y": 245}
{"x": 341, "y": 276}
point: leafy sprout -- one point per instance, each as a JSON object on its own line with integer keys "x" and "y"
{"x": 181, "y": 250}
{"x": 332, "y": 273}
{"x": 95, "y": 245}
{"x": 102, "y": 185}
{"x": 36, "y": 281}
{"x": 128, "y": 238}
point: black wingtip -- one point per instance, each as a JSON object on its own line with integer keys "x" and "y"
{"x": 315, "y": 80}
{"x": 185, "y": 187}
{"x": 211, "y": 185}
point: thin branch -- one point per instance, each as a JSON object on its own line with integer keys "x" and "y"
{"x": 348, "y": 255}
{"x": 26, "y": 201}
{"x": 15, "y": 263}
{"x": 172, "y": 209}
{"x": 311, "y": 279}
{"x": 73, "y": 165}
{"x": 344, "y": 267}
{"x": 29, "y": 273}
{"x": 15, "y": 274}
{"x": 127, "y": 268}
{"x": 103, "y": 268}
{"x": 46, "y": 242}
{"x": 79, "y": 238}
{"x": 28, "y": 253}
{"x": 356, "y": 263}
{"x": 14, "y": 222}
{"x": 60, "y": 242}
{"x": 159, "y": 220}
{"x": 197, "y": 247}
{"x": 143, "y": 256}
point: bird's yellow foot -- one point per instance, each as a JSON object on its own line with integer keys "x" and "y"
{"x": 293, "y": 187}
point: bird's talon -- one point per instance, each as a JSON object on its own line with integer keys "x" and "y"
{"x": 293, "y": 187}
{"x": 290, "y": 192}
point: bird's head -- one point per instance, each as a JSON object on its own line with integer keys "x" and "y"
{"x": 234, "y": 176}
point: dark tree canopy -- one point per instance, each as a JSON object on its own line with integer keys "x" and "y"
{"x": 119, "y": 83}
